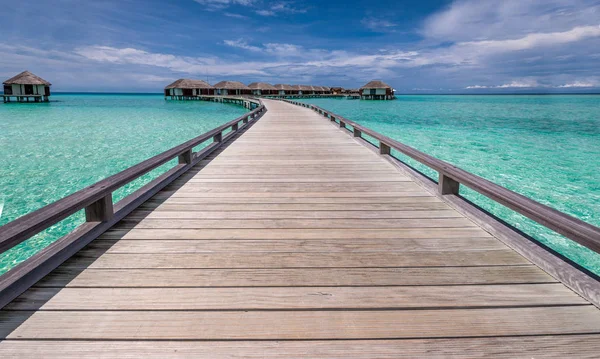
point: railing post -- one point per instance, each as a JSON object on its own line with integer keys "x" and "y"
{"x": 357, "y": 132}
{"x": 384, "y": 149}
{"x": 245, "y": 120}
{"x": 234, "y": 127}
{"x": 447, "y": 185}
{"x": 101, "y": 210}
{"x": 342, "y": 124}
{"x": 332, "y": 118}
{"x": 218, "y": 137}
{"x": 186, "y": 157}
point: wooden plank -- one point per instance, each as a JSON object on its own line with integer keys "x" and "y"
{"x": 333, "y": 179}
{"x": 421, "y": 197}
{"x": 315, "y": 207}
{"x": 563, "y": 346}
{"x": 245, "y": 214}
{"x": 293, "y": 245}
{"x": 530, "y": 295}
{"x": 149, "y": 223}
{"x": 306, "y": 233}
{"x": 321, "y": 195}
{"x": 290, "y": 277}
{"x": 298, "y": 260}
{"x": 384, "y": 324}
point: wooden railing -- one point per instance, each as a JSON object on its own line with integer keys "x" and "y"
{"x": 97, "y": 202}
{"x": 450, "y": 178}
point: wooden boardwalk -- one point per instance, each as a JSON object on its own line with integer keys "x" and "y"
{"x": 296, "y": 241}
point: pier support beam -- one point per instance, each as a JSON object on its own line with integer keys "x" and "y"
{"x": 101, "y": 210}
{"x": 447, "y": 185}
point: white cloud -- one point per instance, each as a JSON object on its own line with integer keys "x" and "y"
{"x": 527, "y": 83}
{"x": 518, "y": 84}
{"x": 378, "y": 25}
{"x": 265, "y": 12}
{"x": 234, "y": 15}
{"x": 190, "y": 65}
{"x": 535, "y": 40}
{"x": 242, "y": 45}
{"x": 476, "y": 87}
{"x": 213, "y": 5}
{"x": 581, "y": 84}
{"x": 282, "y": 7}
{"x": 468, "y": 20}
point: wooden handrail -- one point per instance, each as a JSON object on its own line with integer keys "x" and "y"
{"x": 451, "y": 177}
{"x": 97, "y": 198}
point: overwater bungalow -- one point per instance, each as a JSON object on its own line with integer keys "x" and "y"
{"x": 26, "y": 86}
{"x": 283, "y": 90}
{"x": 296, "y": 90}
{"x": 307, "y": 90}
{"x": 337, "y": 90}
{"x": 226, "y": 88}
{"x": 262, "y": 89}
{"x": 186, "y": 89}
{"x": 326, "y": 90}
{"x": 376, "y": 90}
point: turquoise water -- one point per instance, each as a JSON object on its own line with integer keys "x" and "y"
{"x": 544, "y": 147}
{"x": 48, "y": 151}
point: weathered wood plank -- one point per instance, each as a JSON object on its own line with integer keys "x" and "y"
{"x": 293, "y": 245}
{"x": 301, "y": 195}
{"x": 297, "y": 260}
{"x": 564, "y": 346}
{"x": 291, "y": 277}
{"x": 385, "y": 324}
{"x": 306, "y": 233}
{"x": 245, "y": 214}
{"x": 326, "y": 207}
{"x": 531, "y": 295}
{"x": 148, "y": 223}
{"x": 421, "y": 197}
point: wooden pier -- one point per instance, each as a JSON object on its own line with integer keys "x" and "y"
{"x": 290, "y": 236}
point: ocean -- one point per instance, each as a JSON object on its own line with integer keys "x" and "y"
{"x": 50, "y": 150}
{"x": 546, "y": 147}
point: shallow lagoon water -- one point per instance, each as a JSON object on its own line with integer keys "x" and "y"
{"x": 546, "y": 147}
{"x": 48, "y": 151}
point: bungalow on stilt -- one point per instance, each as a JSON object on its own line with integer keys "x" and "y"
{"x": 26, "y": 86}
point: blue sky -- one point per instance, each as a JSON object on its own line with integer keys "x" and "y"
{"x": 441, "y": 46}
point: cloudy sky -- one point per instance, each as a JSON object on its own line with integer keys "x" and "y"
{"x": 418, "y": 46}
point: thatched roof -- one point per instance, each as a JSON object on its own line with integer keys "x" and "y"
{"x": 283, "y": 87}
{"x": 376, "y": 84}
{"x": 189, "y": 84}
{"x": 305, "y": 88}
{"x": 318, "y": 88}
{"x": 26, "y": 78}
{"x": 231, "y": 85}
{"x": 262, "y": 86}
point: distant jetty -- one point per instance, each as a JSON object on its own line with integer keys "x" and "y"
{"x": 188, "y": 89}
{"x": 25, "y": 87}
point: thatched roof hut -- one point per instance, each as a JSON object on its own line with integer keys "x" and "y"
{"x": 319, "y": 89}
{"x": 376, "y": 90}
{"x": 189, "y": 84}
{"x": 283, "y": 89}
{"x": 262, "y": 88}
{"x": 26, "y": 85}
{"x": 26, "y": 78}
{"x": 306, "y": 89}
{"x": 232, "y": 88}
{"x": 189, "y": 88}
{"x": 376, "y": 84}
